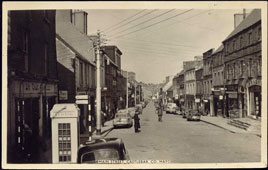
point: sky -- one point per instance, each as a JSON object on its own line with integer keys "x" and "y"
{"x": 155, "y": 42}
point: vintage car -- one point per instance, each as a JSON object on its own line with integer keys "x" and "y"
{"x": 172, "y": 108}
{"x": 122, "y": 119}
{"x": 193, "y": 114}
{"x": 99, "y": 150}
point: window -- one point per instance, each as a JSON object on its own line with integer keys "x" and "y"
{"x": 250, "y": 66}
{"x": 234, "y": 45}
{"x": 46, "y": 58}
{"x": 9, "y": 28}
{"x": 241, "y": 42}
{"x": 81, "y": 75}
{"x": 64, "y": 131}
{"x": 259, "y": 33}
{"x": 249, "y": 38}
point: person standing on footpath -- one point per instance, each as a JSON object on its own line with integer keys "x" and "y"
{"x": 136, "y": 122}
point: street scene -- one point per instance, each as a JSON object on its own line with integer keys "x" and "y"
{"x": 145, "y": 85}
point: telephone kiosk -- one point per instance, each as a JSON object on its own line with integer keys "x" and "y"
{"x": 65, "y": 132}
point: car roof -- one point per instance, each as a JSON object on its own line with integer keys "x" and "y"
{"x": 105, "y": 143}
{"x": 101, "y": 144}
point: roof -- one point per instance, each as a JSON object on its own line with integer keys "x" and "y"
{"x": 112, "y": 47}
{"x": 219, "y": 49}
{"x": 251, "y": 19}
{"x": 77, "y": 41}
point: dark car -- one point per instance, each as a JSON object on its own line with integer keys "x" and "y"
{"x": 102, "y": 150}
{"x": 193, "y": 114}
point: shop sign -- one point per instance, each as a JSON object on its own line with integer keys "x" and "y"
{"x": 232, "y": 95}
{"x": 205, "y": 101}
{"x": 78, "y": 97}
{"x": 63, "y": 95}
{"x": 30, "y": 87}
{"x": 253, "y": 82}
{"x": 50, "y": 88}
{"x": 81, "y": 101}
{"x": 197, "y": 100}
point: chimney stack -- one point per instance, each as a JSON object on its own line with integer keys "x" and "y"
{"x": 79, "y": 19}
{"x": 238, "y": 18}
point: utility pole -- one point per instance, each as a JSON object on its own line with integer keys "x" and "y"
{"x": 127, "y": 93}
{"x": 98, "y": 88}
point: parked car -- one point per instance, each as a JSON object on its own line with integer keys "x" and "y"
{"x": 172, "y": 108}
{"x": 122, "y": 119}
{"x": 193, "y": 114}
{"x": 139, "y": 108}
{"x": 101, "y": 150}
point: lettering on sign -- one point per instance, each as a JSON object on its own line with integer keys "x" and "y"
{"x": 63, "y": 95}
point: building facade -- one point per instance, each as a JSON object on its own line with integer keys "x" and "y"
{"x": 218, "y": 81}
{"x": 242, "y": 61}
{"x": 199, "y": 88}
{"x": 190, "y": 85}
{"x": 207, "y": 82}
{"x": 32, "y": 82}
{"x": 76, "y": 67}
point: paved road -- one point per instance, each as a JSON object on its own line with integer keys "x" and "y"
{"x": 180, "y": 141}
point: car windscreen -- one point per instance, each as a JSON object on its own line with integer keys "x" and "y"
{"x": 121, "y": 116}
{"x": 100, "y": 154}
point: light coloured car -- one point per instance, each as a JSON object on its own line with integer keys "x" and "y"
{"x": 171, "y": 108}
{"x": 122, "y": 119}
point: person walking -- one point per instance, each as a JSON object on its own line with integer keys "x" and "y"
{"x": 137, "y": 122}
{"x": 160, "y": 106}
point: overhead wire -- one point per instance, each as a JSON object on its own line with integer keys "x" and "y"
{"x": 143, "y": 22}
{"x": 167, "y": 47}
{"x": 155, "y": 23}
{"x": 133, "y": 20}
{"x": 123, "y": 20}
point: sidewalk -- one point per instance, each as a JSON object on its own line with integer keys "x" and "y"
{"x": 108, "y": 126}
{"x": 221, "y": 122}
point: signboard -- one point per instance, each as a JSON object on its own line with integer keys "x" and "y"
{"x": 81, "y": 97}
{"x": 206, "y": 101}
{"x": 232, "y": 95}
{"x": 220, "y": 97}
{"x": 81, "y": 101}
{"x": 197, "y": 100}
{"x": 63, "y": 95}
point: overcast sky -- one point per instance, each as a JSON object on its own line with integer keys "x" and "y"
{"x": 156, "y": 42}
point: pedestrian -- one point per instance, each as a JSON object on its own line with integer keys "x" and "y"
{"x": 136, "y": 122}
{"x": 160, "y": 106}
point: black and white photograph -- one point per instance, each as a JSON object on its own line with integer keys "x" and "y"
{"x": 147, "y": 84}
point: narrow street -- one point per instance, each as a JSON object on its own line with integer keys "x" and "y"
{"x": 180, "y": 141}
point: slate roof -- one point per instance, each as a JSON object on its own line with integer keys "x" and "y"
{"x": 251, "y": 19}
{"x": 77, "y": 41}
{"x": 219, "y": 49}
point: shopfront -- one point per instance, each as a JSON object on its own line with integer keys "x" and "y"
{"x": 29, "y": 123}
{"x": 254, "y": 99}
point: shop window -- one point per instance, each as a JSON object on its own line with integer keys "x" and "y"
{"x": 64, "y": 131}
